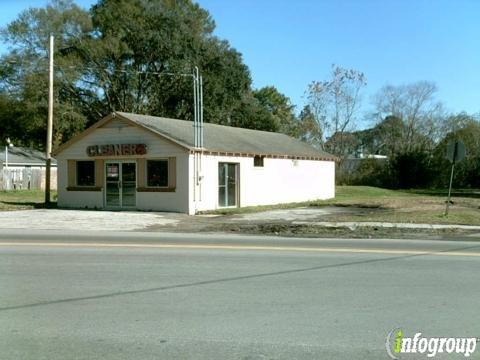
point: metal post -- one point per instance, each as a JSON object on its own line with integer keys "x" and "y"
{"x": 201, "y": 139}
{"x": 195, "y": 118}
{"x": 449, "y": 190}
{"x": 49, "y": 124}
{"x": 198, "y": 133}
{"x": 6, "y": 156}
{"x": 194, "y": 139}
{"x": 455, "y": 150}
{"x": 201, "y": 111}
{"x": 199, "y": 115}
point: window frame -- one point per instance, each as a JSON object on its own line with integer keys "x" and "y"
{"x": 168, "y": 174}
{"x": 77, "y": 173}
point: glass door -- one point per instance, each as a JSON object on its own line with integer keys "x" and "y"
{"x": 112, "y": 185}
{"x": 120, "y": 184}
{"x": 227, "y": 184}
{"x": 128, "y": 184}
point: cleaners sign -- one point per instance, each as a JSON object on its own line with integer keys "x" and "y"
{"x": 116, "y": 150}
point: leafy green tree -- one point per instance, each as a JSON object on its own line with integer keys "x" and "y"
{"x": 386, "y": 137}
{"x": 23, "y": 70}
{"x": 125, "y": 55}
{"x": 251, "y": 114}
{"x": 466, "y": 128}
{"x": 308, "y": 128}
{"x": 139, "y": 52}
{"x": 281, "y": 109}
{"x": 9, "y": 112}
{"x": 411, "y": 169}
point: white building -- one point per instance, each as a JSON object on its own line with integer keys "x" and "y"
{"x": 129, "y": 161}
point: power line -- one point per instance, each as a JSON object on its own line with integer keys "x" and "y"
{"x": 92, "y": 68}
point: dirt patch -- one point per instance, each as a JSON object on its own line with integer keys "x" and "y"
{"x": 364, "y": 232}
{"x": 360, "y": 206}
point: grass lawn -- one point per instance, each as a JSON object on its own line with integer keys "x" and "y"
{"x": 23, "y": 199}
{"x": 410, "y": 206}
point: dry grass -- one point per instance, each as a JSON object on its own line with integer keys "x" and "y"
{"x": 411, "y": 206}
{"x": 23, "y": 199}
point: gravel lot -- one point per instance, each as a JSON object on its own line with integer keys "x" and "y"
{"x": 55, "y": 219}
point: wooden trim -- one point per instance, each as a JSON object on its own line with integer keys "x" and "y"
{"x": 141, "y": 173}
{"x": 84, "y": 188}
{"x": 237, "y": 185}
{"x": 172, "y": 172}
{"x": 153, "y": 189}
{"x": 270, "y": 156}
{"x": 99, "y": 172}
{"x": 72, "y": 173}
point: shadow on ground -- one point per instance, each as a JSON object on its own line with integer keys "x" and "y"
{"x": 30, "y": 204}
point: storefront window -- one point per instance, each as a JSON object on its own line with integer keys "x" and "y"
{"x": 85, "y": 173}
{"x": 157, "y": 173}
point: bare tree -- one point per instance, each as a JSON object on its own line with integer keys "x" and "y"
{"x": 335, "y": 103}
{"x": 415, "y": 104}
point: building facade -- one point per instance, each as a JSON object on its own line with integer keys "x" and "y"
{"x": 136, "y": 162}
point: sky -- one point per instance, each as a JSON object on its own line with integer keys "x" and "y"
{"x": 289, "y": 44}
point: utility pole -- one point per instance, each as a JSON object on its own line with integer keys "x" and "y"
{"x": 49, "y": 124}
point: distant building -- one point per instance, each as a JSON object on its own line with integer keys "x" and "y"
{"x": 130, "y": 161}
{"x": 20, "y": 158}
{"x": 24, "y": 168}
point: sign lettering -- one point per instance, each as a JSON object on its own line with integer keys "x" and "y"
{"x": 116, "y": 150}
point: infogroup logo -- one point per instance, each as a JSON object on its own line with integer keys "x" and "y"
{"x": 397, "y": 343}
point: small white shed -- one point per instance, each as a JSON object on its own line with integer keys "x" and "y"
{"x": 129, "y": 161}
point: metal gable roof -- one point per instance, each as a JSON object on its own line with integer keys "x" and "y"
{"x": 219, "y": 138}
{"x": 19, "y": 155}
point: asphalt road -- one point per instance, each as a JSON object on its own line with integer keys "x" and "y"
{"x": 94, "y": 295}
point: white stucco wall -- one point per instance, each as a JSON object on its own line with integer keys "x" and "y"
{"x": 169, "y": 201}
{"x": 279, "y": 181}
{"x": 75, "y": 199}
{"x": 156, "y": 148}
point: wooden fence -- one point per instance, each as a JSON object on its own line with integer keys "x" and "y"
{"x": 26, "y": 179}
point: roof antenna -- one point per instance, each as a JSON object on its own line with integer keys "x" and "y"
{"x": 198, "y": 108}
{"x": 197, "y": 133}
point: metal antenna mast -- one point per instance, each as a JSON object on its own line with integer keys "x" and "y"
{"x": 198, "y": 108}
{"x": 197, "y": 132}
